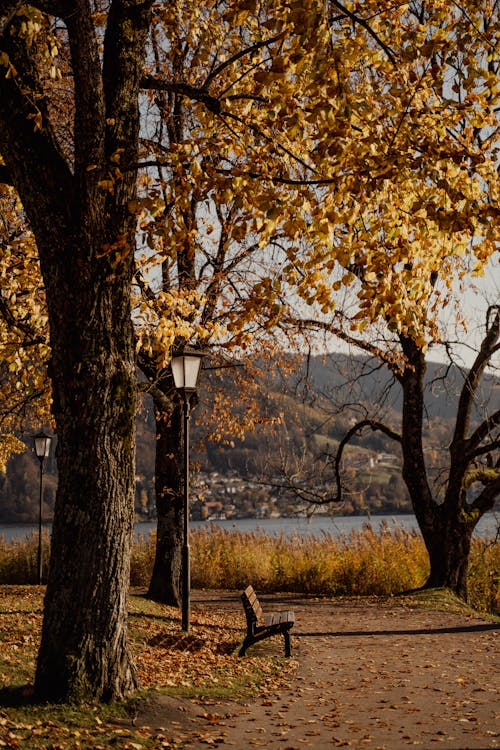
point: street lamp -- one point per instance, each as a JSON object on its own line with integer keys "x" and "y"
{"x": 42, "y": 450}
{"x": 185, "y": 366}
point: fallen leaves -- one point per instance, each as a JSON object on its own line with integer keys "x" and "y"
{"x": 201, "y": 662}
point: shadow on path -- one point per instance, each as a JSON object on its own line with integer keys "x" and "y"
{"x": 414, "y": 631}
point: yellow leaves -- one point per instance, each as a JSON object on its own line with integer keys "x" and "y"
{"x": 116, "y": 156}
{"x": 37, "y": 119}
{"x": 171, "y": 317}
{"x": 24, "y": 345}
{"x": 9, "y": 445}
{"x": 29, "y": 29}
{"x": 107, "y": 184}
{"x": 268, "y": 76}
{"x": 152, "y": 205}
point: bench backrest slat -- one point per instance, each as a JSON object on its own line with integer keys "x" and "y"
{"x": 251, "y": 604}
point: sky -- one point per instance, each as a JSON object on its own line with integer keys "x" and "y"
{"x": 484, "y": 291}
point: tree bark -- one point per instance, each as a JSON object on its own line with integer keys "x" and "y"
{"x": 83, "y": 653}
{"x": 165, "y": 580}
{"x": 446, "y": 522}
{"x": 76, "y": 202}
{"x": 448, "y": 545}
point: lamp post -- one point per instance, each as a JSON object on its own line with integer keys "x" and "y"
{"x": 185, "y": 366}
{"x": 42, "y": 449}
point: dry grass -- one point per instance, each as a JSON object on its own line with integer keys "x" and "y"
{"x": 365, "y": 562}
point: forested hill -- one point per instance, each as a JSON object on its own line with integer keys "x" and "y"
{"x": 359, "y": 379}
{"x": 317, "y": 400}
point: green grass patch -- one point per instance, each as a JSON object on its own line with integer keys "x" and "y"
{"x": 444, "y": 600}
{"x": 201, "y": 664}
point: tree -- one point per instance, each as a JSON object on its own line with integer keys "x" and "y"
{"x": 76, "y": 199}
{"x": 211, "y": 233}
{"x": 209, "y": 244}
{"x": 70, "y": 119}
{"x": 423, "y": 220}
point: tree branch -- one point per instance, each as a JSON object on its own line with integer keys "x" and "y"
{"x": 312, "y": 497}
{"x": 336, "y": 330}
{"x": 196, "y": 93}
{"x": 469, "y": 389}
{"x": 123, "y": 59}
{"x": 485, "y": 501}
{"x": 8, "y": 9}
{"x": 365, "y": 25}
{"x": 33, "y": 160}
{"x": 473, "y": 445}
{"x": 239, "y": 55}
{"x": 374, "y": 426}
{"x": 89, "y": 96}
{"x": 160, "y": 399}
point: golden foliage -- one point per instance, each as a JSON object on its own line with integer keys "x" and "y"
{"x": 24, "y": 347}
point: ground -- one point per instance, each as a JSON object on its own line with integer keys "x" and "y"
{"x": 364, "y": 674}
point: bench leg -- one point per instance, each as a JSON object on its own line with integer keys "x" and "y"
{"x": 288, "y": 649}
{"x": 246, "y": 643}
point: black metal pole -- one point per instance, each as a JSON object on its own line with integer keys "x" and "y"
{"x": 40, "y": 525}
{"x": 186, "y": 572}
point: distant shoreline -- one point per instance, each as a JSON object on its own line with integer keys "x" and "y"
{"x": 314, "y": 526}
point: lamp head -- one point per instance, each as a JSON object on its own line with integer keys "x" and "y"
{"x": 185, "y": 366}
{"x": 42, "y": 443}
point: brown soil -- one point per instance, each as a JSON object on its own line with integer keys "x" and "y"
{"x": 368, "y": 675}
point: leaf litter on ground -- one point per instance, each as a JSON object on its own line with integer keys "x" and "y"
{"x": 202, "y": 664}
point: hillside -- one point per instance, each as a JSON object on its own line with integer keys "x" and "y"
{"x": 306, "y": 407}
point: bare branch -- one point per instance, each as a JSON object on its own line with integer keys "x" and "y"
{"x": 469, "y": 390}
{"x": 239, "y": 55}
{"x": 486, "y": 499}
{"x": 160, "y": 399}
{"x": 336, "y": 329}
{"x": 473, "y": 445}
{"x": 313, "y": 496}
{"x": 196, "y": 93}
{"x": 365, "y": 25}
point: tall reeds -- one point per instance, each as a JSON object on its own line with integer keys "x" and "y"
{"x": 362, "y": 563}
{"x": 19, "y": 559}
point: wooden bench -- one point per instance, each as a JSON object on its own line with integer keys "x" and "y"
{"x": 261, "y": 626}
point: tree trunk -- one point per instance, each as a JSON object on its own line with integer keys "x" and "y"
{"x": 448, "y": 543}
{"x": 165, "y": 580}
{"x": 83, "y": 653}
{"x": 77, "y": 202}
{"x": 446, "y": 528}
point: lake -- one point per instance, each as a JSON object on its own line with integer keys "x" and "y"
{"x": 316, "y": 526}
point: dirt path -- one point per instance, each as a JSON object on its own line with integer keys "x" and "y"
{"x": 368, "y": 676}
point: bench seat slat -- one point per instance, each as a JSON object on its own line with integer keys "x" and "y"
{"x": 279, "y": 617}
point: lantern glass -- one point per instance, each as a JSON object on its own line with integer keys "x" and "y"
{"x": 42, "y": 445}
{"x": 185, "y": 370}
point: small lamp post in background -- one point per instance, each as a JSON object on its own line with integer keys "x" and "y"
{"x": 185, "y": 366}
{"x": 42, "y": 450}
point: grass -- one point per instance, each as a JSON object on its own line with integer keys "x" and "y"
{"x": 444, "y": 600}
{"x": 199, "y": 665}
{"x": 202, "y": 664}
{"x": 362, "y": 563}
